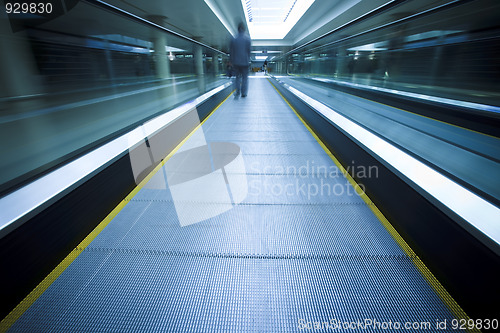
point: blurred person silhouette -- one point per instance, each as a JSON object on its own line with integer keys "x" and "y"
{"x": 240, "y": 60}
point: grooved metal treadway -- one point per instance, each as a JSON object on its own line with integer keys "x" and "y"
{"x": 300, "y": 247}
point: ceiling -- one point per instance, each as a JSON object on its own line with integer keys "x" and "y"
{"x": 196, "y": 19}
{"x": 272, "y": 19}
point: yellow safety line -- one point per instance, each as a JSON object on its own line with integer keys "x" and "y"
{"x": 447, "y": 299}
{"x": 18, "y": 311}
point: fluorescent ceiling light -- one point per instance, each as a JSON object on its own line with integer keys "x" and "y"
{"x": 173, "y": 49}
{"x": 274, "y": 19}
{"x": 381, "y": 46}
{"x": 430, "y": 34}
{"x": 266, "y": 51}
{"x": 260, "y": 57}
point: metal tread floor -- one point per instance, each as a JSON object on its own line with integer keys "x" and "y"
{"x": 289, "y": 254}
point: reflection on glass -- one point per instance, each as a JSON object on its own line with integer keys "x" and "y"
{"x": 452, "y": 53}
{"x": 75, "y": 79}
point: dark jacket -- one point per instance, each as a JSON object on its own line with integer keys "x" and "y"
{"x": 240, "y": 50}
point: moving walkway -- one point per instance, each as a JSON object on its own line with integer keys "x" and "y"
{"x": 287, "y": 242}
